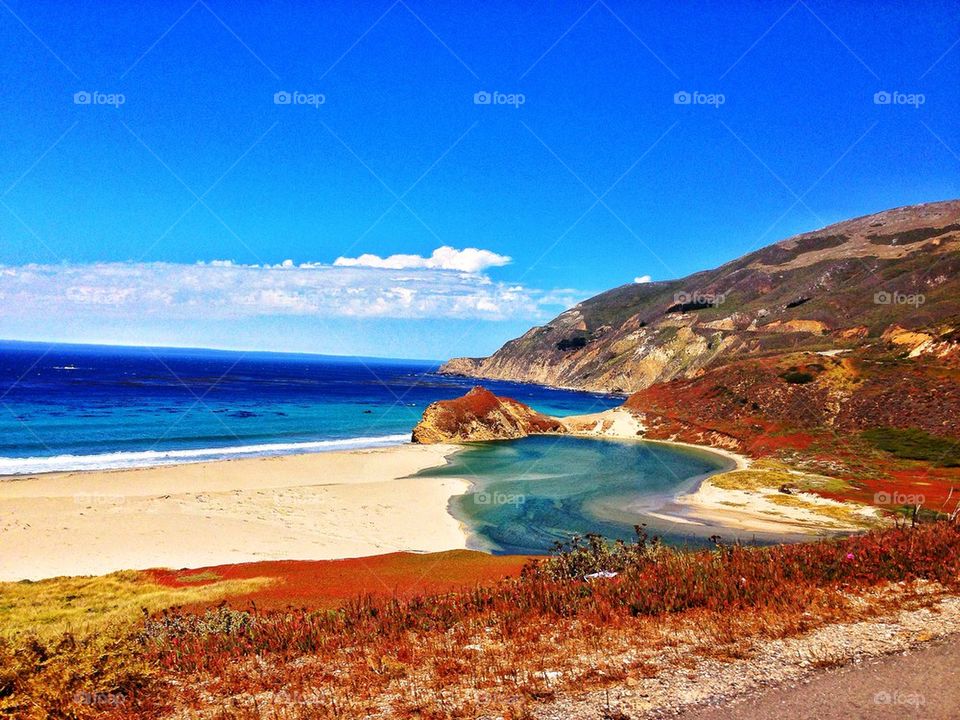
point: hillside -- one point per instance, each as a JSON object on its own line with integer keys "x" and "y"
{"x": 879, "y": 421}
{"x": 889, "y": 279}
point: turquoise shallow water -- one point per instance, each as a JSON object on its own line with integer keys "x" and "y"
{"x": 528, "y": 494}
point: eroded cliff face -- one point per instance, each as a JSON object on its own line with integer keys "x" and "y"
{"x": 481, "y": 415}
{"x": 889, "y": 278}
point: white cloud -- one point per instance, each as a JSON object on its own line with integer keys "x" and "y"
{"x": 642, "y": 279}
{"x": 224, "y": 290}
{"x": 471, "y": 260}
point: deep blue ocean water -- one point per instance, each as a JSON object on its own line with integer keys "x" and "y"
{"x": 65, "y": 407}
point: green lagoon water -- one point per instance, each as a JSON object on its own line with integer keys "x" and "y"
{"x": 527, "y": 494}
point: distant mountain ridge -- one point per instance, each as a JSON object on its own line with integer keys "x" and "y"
{"x": 890, "y": 278}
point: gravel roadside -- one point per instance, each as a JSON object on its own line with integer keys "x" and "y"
{"x": 899, "y": 665}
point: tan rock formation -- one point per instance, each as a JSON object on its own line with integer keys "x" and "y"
{"x": 481, "y": 415}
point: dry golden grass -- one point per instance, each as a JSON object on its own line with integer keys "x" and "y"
{"x": 88, "y": 605}
{"x": 767, "y": 477}
{"x": 66, "y": 643}
{"x": 770, "y": 475}
{"x": 845, "y": 513}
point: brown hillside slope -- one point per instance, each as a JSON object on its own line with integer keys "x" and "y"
{"x": 892, "y": 275}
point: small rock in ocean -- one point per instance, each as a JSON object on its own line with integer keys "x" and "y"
{"x": 243, "y": 414}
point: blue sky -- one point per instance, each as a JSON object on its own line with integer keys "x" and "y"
{"x": 584, "y": 173}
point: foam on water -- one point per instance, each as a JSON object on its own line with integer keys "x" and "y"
{"x": 151, "y": 458}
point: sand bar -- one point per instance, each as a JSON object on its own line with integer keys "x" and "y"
{"x": 317, "y": 506}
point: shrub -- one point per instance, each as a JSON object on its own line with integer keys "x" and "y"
{"x": 373, "y": 650}
{"x": 915, "y": 444}
{"x": 574, "y": 343}
{"x": 797, "y": 377}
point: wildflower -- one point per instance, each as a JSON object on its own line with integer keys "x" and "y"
{"x": 850, "y": 556}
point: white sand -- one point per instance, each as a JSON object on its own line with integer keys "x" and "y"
{"x": 614, "y": 423}
{"x": 318, "y": 506}
{"x": 755, "y": 511}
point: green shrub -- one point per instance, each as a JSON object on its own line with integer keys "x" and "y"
{"x": 915, "y": 444}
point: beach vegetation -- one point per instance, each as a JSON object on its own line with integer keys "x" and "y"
{"x": 770, "y": 474}
{"x": 592, "y": 615}
{"x": 92, "y": 605}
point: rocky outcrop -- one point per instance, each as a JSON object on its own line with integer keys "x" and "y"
{"x": 481, "y": 415}
{"x": 840, "y": 288}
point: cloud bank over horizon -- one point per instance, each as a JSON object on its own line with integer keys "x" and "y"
{"x": 450, "y": 284}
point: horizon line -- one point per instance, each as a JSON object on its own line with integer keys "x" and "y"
{"x": 245, "y": 351}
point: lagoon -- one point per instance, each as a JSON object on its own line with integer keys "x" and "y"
{"x": 528, "y": 494}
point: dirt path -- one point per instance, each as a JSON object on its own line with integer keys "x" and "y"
{"x": 923, "y": 683}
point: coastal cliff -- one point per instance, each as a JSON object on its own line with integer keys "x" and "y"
{"x": 481, "y": 415}
{"x": 891, "y": 279}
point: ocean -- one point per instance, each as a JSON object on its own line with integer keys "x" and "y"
{"x": 77, "y": 407}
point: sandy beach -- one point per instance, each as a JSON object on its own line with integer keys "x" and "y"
{"x": 317, "y": 506}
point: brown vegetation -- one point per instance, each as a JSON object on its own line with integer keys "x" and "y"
{"x": 502, "y": 647}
